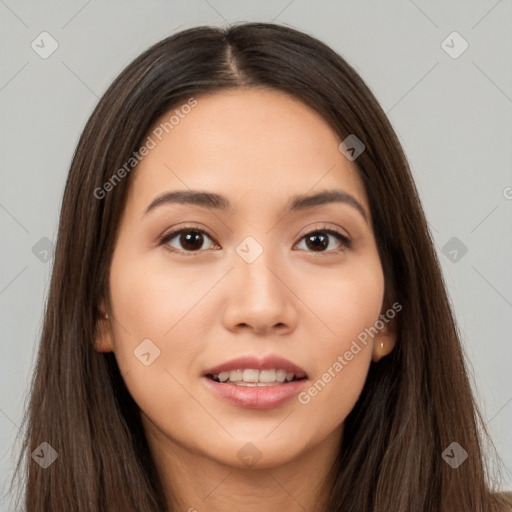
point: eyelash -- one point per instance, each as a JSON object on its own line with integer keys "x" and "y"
{"x": 345, "y": 242}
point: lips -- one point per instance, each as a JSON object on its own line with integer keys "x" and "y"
{"x": 270, "y": 362}
{"x": 248, "y": 381}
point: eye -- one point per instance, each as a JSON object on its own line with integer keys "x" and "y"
{"x": 319, "y": 240}
{"x": 191, "y": 240}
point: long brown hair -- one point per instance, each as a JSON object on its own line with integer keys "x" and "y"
{"x": 415, "y": 402}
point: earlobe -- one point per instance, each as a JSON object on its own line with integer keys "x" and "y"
{"x": 103, "y": 339}
{"x": 383, "y": 343}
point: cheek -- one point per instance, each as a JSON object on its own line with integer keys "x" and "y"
{"x": 151, "y": 312}
{"x": 346, "y": 301}
{"x": 347, "y": 307}
{"x": 157, "y": 301}
{"x": 151, "y": 296}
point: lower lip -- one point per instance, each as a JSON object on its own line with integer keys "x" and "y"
{"x": 256, "y": 397}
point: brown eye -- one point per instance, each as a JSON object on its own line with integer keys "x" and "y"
{"x": 192, "y": 240}
{"x": 319, "y": 240}
{"x": 188, "y": 239}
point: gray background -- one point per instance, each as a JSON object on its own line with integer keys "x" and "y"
{"x": 452, "y": 115}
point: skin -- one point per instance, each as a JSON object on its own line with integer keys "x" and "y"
{"x": 257, "y": 147}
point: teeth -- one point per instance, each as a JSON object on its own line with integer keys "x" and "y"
{"x": 252, "y": 377}
{"x": 235, "y": 375}
{"x": 267, "y": 376}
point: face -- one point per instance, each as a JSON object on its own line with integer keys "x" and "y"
{"x": 255, "y": 287}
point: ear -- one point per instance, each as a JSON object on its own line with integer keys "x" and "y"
{"x": 104, "y": 338}
{"x": 385, "y": 340}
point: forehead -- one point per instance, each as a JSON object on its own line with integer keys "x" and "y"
{"x": 256, "y": 146}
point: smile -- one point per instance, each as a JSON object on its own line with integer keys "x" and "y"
{"x": 252, "y": 377}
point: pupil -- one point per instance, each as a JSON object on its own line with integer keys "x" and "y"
{"x": 191, "y": 239}
{"x": 324, "y": 244}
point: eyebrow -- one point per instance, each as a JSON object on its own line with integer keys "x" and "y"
{"x": 296, "y": 203}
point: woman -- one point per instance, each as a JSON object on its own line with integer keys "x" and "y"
{"x": 246, "y": 310}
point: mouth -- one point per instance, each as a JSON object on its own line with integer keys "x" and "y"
{"x": 256, "y": 383}
{"x": 251, "y": 377}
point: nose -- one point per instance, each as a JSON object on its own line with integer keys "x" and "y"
{"x": 260, "y": 297}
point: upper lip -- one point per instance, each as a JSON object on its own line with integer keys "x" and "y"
{"x": 268, "y": 362}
